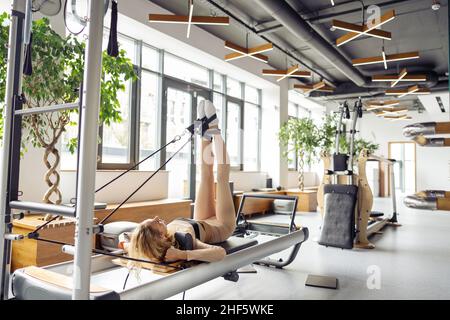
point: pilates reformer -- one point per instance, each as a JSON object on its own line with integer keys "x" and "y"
{"x": 345, "y": 198}
{"x": 422, "y": 134}
{"x": 112, "y": 281}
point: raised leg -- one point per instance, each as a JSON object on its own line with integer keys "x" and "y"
{"x": 225, "y": 211}
{"x": 204, "y": 203}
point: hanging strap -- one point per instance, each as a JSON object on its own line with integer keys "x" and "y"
{"x": 28, "y": 65}
{"x": 113, "y": 45}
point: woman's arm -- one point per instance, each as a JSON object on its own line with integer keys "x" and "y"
{"x": 202, "y": 252}
{"x": 205, "y": 252}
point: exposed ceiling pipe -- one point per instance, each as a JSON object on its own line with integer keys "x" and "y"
{"x": 350, "y": 91}
{"x": 292, "y": 21}
{"x": 248, "y": 23}
{"x": 319, "y": 17}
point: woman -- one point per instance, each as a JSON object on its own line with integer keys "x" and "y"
{"x": 214, "y": 220}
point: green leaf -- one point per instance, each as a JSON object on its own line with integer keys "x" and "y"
{"x": 58, "y": 65}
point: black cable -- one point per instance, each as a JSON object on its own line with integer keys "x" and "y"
{"x": 126, "y": 280}
{"x": 177, "y": 138}
{"x": 45, "y": 224}
{"x": 184, "y": 295}
{"x": 145, "y": 182}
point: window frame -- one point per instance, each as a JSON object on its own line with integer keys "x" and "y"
{"x": 135, "y": 109}
{"x": 297, "y": 108}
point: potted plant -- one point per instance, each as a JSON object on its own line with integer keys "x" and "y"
{"x": 300, "y": 136}
{"x": 57, "y": 74}
{"x": 327, "y": 133}
{"x": 359, "y": 145}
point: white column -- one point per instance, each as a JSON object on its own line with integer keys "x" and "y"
{"x": 15, "y": 51}
{"x": 284, "y": 99}
{"x": 88, "y": 152}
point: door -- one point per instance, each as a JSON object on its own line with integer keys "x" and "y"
{"x": 405, "y": 166}
{"x": 179, "y": 112}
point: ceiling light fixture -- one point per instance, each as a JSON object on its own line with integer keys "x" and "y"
{"x": 190, "y": 19}
{"x": 292, "y": 72}
{"x": 375, "y": 105}
{"x": 404, "y": 92}
{"x": 398, "y": 118}
{"x": 402, "y": 77}
{"x": 383, "y": 54}
{"x": 386, "y": 59}
{"x": 356, "y": 31}
{"x": 241, "y": 52}
{"x": 396, "y": 111}
{"x": 319, "y": 86}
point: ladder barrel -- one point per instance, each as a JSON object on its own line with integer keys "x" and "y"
{"x": 43, "y": 208}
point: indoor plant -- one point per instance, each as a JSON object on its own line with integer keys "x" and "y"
{"x": 57, "y": 74}
{"x": 301, "y": 136}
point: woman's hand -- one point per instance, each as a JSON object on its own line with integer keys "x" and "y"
{"x": 174, "y": 254}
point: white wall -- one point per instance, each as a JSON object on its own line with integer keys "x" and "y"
{"x": 432, "y": 164}
{"x": 116, "y": 192}
{"x": 311, "y": 179}
{"x": 246, "y": 181}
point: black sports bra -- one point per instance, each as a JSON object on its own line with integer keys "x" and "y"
{"x": 194, "y": 224}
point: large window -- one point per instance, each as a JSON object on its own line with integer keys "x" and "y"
{"x": 295, "y": 111}
{"x": 179, "y": 68}
{"x": 116, "y": 137}
{"x": 233, "y": 133}
{"x": 149, "y": 124}
{"x": 251, "y": 137}
{"x": 143, "y": 127}
{"x": 234, "y": 88}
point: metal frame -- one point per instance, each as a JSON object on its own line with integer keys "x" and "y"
{"x": 54, "y": 108}
{"x": 245, "y": 227}
{"x": 88, "y": 153}
{"x": 87, "y": 157}
{"x": 186, "y": 279}
{"x": 172, "y": 284}
{"x": 11, "y": 159}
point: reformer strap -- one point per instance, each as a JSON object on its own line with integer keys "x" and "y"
{"x": 113, "y": 45}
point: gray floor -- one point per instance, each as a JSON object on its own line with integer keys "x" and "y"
{"x": 410, "y": 262}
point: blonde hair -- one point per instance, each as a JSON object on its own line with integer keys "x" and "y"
{"x": 148, "y": 244}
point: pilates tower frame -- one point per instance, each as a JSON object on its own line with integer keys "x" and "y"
{"x": 87, "y": 159}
